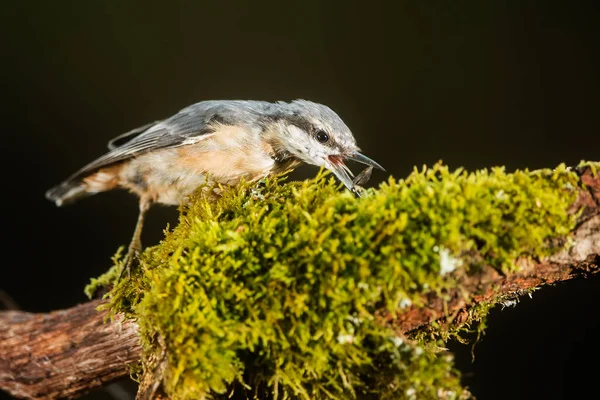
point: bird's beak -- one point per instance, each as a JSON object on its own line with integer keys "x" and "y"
{"x": 338, "y": 167}
{"x": 361, "y": 158}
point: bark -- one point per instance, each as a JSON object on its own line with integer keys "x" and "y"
{"x": 66, "y": 353}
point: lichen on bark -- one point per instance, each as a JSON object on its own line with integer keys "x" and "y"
{"x": 277, "y": 288}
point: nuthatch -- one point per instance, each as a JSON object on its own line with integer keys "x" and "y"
{"x": 215, "y": 142}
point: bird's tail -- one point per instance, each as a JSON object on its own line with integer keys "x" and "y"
{"x": 82, "y": 185}
{"x": 68, "y": 192}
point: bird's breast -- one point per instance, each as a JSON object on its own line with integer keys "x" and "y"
{"x": 168, "y": 176}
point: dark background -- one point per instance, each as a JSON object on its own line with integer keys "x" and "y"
{"x": 474, "y": 83}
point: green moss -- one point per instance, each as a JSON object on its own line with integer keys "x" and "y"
{"x": 105, "y": 280}
{"x": 277, "y": 288}
{"x": 593, "y": 166}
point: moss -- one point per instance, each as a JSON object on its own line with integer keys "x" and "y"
{"x": 103, "y": 281}
{"x": 276, "y": 288}
{"x": 593, "y": 166}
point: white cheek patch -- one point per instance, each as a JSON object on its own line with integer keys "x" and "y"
{"x": 296, "y": 136}
{"x": 297, "y": 142}
{"x": 306, "y": 148}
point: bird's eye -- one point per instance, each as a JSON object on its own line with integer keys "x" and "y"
{"x": 322, "y": 136}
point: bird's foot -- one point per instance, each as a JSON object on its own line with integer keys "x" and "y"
{"x": 132, "y": 260}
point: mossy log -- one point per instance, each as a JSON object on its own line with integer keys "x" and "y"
{"x": 66, "y": 353}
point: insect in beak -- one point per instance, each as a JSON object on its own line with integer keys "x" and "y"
{"x": 344, "y": 174}
{"x": 360, "y": 180}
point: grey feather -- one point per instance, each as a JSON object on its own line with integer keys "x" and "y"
{"x": 66, "y": 192}
{"x": 318, "y": 112}
{"x": 127, "y": 136}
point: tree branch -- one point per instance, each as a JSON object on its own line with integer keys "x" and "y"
{"x": 580, "y": 261}
{"x": 66, "y": 353}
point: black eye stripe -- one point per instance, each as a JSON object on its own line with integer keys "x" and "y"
{"x": 302, "y": 123}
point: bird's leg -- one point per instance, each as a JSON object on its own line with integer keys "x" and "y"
{"x": 135, "y": 247}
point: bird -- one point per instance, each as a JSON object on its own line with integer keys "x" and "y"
{"x": 216, "y": 142}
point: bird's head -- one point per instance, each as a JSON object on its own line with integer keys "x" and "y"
{"x": 315, "y": 134}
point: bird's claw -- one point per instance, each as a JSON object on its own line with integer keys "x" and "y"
{"x": 132, "y": 259}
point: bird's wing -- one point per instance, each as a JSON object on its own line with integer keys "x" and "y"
{"x": 188, "y": 126}
{"x": 127, "y": 136}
